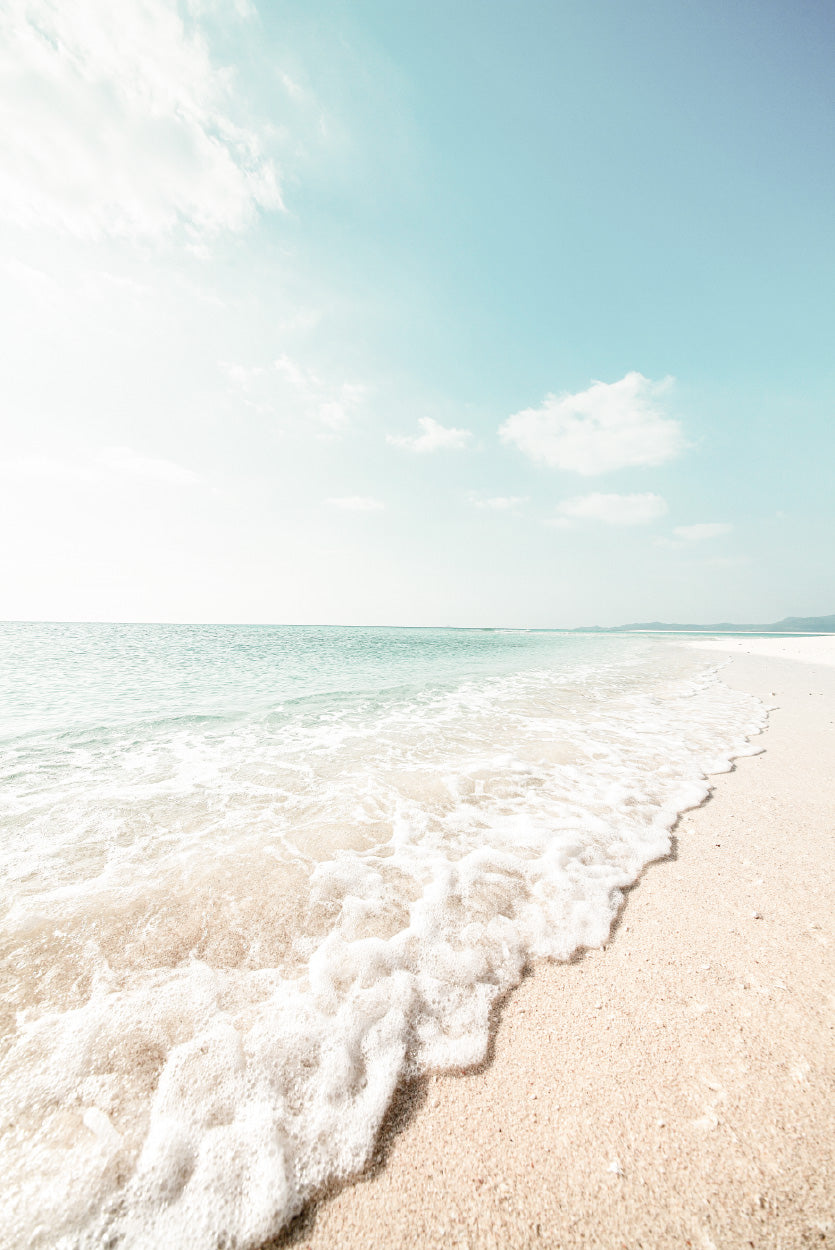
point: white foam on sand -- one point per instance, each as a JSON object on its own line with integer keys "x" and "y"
{"x": 198, "y": 1100}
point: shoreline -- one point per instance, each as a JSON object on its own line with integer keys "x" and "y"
{"x": 674, "y": 1086}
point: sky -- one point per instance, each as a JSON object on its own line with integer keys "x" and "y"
{"x": 470, "y": 313}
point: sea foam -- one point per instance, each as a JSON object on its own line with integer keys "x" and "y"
{"x": 230, "y": 933}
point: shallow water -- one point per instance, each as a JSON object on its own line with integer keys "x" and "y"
{"x": 253, "y": 877}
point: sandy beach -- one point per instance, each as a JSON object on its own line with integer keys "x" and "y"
{"x": 674, "y": 1088}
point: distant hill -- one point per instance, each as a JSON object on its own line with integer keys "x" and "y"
{"x": 790, "y": 625}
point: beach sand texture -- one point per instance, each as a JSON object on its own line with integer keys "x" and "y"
{"x": 676, "y": 1087}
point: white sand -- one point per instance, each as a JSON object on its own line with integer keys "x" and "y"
{"x": 814, "y": 650}
{"x": 676, "y": 1088}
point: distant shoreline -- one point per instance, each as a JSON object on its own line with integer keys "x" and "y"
{"x": 721, "y": 633}
{"x": 788, "y": 625}
{"x": 814, "y": 626}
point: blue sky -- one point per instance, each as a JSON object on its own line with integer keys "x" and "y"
{"x": 430, "y": 313}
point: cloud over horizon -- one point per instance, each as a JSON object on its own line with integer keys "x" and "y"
{"x": 610, "y": 426}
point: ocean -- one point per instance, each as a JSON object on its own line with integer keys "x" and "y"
{"x": 255, "y": 877}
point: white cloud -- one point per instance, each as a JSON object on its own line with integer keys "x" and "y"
{"x": 612, "y": 509}
{"x": 286, "y": 388}
{"x": 724, "y": 562}
{"x": 697, "y": 533}
{"x": 294, "y": 89}
{"x": 357, "y": 503}
{"x": 115, "y": 121}
{"x": 498, "y": 503}
{"x": 332, "y": 405}
{"x": 685, "y": 534}
{"x": 125, "y": 462}
{"x": 434, "y": 437}
{"x": 44, "y": 469}
{"x": 610, "y": 426}
{"x": 107, "y": 465}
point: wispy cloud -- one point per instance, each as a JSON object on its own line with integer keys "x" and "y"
{"x": 332, "y": 405}
{"x": 497, "y": 503}
{"x": 357, "y": 503}
{"x": 286, "y": 388}
{"x": 435, "y": 437}
{"x": 125, "y": 462}
{"x": 611, "y": 509}
{"x": 686, "y": 535}
{"x": 610, "y": 426}
{"x": 698, "y": 533}
{"x": 110, "y": 464}
{"x": 44, "y": 469}
{"x": 115, "y": 120}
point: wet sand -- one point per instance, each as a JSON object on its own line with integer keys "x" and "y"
{"x": 675, "y": 1088}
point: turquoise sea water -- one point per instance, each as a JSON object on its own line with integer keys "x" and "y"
{"x": 253, "y": 877}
